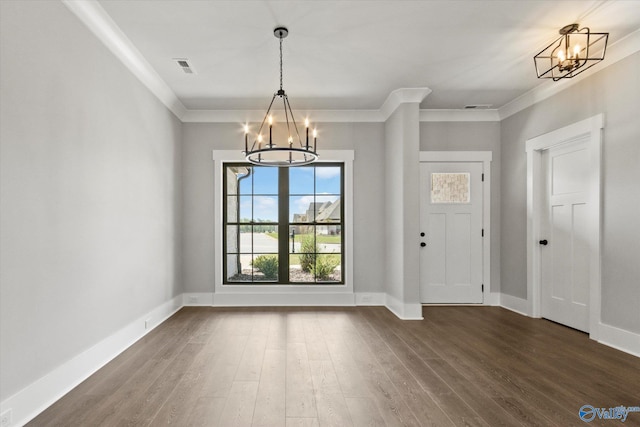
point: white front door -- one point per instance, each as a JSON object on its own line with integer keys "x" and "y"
{"x": 451, "y": 232}
{"x": 564, "y": 242}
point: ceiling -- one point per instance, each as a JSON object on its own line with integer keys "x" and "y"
{"x": 353, "y": 54}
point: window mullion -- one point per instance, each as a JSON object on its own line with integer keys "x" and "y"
{"x": 283, "y": 225}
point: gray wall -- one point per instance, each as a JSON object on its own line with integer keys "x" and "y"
{"x": 89, "y": 193}
{"x": 91, "y": 207}
{"x": 472, "y": 136}
{"x": 614, "y": 91}
{"x": 366, "y": 139}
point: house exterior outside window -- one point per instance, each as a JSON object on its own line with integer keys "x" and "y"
{"x": 283, "y": 225}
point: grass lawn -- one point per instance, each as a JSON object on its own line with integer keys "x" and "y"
{"x": 320, "y": 238}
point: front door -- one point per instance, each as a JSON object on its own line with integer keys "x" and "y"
{"x": 451, "y": 232}
{"x": 564, "y": 243}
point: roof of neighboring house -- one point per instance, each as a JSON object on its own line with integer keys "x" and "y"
{"x": 330, "y": 211}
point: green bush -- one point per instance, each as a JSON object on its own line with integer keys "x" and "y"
{"x": 308, "y": 250}
{"x": 268, "y": 265}
{"x": 324, "y": 267}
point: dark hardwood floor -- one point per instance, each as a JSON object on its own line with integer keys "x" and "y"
{"x": 475, "y": 366}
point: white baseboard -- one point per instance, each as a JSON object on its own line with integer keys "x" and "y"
{"x": 492, "y": 298}
{"x": 197, "y": 299}
{"x": 370, "y": 298}
{"x": 519, "y": 305}
{"x": 39, "y": 395}
{"x": 404, "y": 311}
{"x": 284, "y": 299}
{"x": 620, "y": 339}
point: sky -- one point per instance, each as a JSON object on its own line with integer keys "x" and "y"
{"x": 264, "y": 182}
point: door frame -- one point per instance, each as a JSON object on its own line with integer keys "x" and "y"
{"x": 474, "y": 156}
{"x": 591, "y": 127}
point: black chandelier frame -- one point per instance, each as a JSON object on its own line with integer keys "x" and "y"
{"x": 592, "y": 50}
{"x": 289, "y": 154}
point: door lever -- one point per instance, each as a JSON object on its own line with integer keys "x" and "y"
{"x": 543, "y": 242}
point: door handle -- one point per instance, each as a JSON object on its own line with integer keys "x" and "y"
{"x": 423, "y": 244}
{"x": 543, "y": 242}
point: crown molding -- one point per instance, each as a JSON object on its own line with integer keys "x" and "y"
{"x": 341, "y": 116}
{"x": 488, "y": 115}
{"x": 393, "y": 101}
{"x": 402, "y": 96}
{"x": 100, "y": 23}
{"x": 256, "y": 116}
{"x": 619, "y": 50}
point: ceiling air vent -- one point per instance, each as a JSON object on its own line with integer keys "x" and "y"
{"x": 183, "y": 63}
{"x": 478, "y": 107}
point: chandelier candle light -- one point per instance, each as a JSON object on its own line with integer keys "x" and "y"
{"x": 289, "y": 154}
{"x": 572, "y": 53}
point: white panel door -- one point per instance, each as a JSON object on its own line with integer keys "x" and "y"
{"x": 451, "y": 232}
{"x": 564, "y": 242}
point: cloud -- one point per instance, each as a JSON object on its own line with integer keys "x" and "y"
{"x": 327, "y": 172}
{"x": 266, "y": 202}
{"x": 264, "y": 208}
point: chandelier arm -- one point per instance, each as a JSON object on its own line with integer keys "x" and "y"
{"x": 552, "y": 63}
{"x": 285, "y": 98}
{"x": 295, "y": 125}
{"x": 263, "y": 121}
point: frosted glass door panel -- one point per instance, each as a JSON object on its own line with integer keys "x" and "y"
{"x": 450, "y": 187}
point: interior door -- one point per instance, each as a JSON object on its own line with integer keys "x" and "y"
{"x": 451, "y": 232}
{"x": 564, "y": 242}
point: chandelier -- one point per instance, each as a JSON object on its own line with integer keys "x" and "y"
{"x": 572, "y": 53}
{"x": 292, "y": 152}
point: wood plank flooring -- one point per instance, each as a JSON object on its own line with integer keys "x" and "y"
{"x": 360, "y": 366}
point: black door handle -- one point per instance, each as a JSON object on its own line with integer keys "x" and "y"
{"x": 423, "y": 244}
{"x": 543, "y": 242}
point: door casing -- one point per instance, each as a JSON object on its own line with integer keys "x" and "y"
{"x": 591, "y": 127}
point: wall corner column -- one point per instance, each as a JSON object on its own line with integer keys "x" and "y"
{"x": 402, "y": 208}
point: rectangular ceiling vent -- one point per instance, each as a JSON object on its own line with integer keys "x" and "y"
{"x": 183, "y": 63}
{"x": 478, "y": 107}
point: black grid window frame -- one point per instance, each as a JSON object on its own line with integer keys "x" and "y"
{"x": 283, "y": 225}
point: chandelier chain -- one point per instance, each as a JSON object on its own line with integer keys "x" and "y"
{"x": 280, "y": 63}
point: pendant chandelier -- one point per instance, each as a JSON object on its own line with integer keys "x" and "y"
{"x": 291, "y": 153}
{"x": 572, "y": 53}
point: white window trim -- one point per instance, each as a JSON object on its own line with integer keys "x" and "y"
{"x": 284, "y": 294}
{"x": 475, "y": 156}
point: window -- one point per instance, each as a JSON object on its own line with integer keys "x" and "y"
{"x": 450, "y": 187}
{"x": 283, "y": 225}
